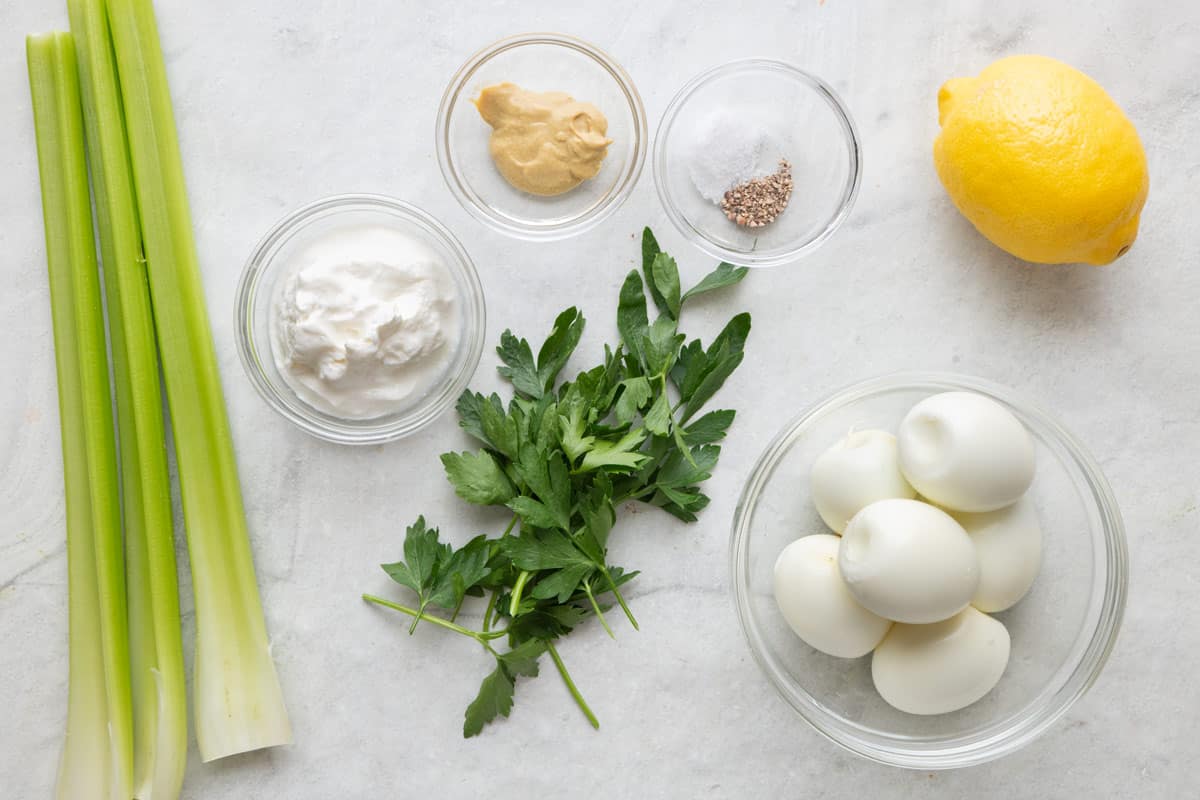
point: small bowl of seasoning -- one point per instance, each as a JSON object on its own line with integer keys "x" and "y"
{"x": 359, "y": 318}
{"x": 757, "y": 162}
{"x": 541, "y": 136}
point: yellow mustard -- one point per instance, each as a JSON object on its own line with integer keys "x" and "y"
{"x": 544, "y": 143}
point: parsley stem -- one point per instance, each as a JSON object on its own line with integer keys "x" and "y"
{"x": 571, "y": 687}
{"x": 417, "y": 618}
{"x": 514, "y": 604}
{"x": 482, "y": 637}
{"x": 487, "y": 612}
{"x": 587, "y": 588}
{"x": 617, "y": 594}
{"x": 648, "y": 490}
{"x": 491, "y": 606}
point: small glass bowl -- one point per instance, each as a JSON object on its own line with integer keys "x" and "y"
{"x": 805, "y": 122}
{"x": 540, "y": 62}
{"x": 262, "y": 280}
{"x": 1062, "y": 631}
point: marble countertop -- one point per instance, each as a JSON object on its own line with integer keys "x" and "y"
{"x": 280, "y": 102}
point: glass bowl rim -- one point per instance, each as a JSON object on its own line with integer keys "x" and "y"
{"x": 356, "y": 432}
{"x": 533, "y": 231}
{"x": 849, "y": 190}
{"x": 1027, "y": 724}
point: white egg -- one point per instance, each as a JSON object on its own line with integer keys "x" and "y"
{"x": 816, "y": 603}
{"x": 942, "y": 667}
{"x": 861, "y": 468}
{"x": 966, "y": 452}
{"x": 1009, "y": 544}
{"x": 908, "y": 561}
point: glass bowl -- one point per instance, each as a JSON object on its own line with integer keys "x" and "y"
{"x": 540, "y": 62}
{"x": 1062, "y": 631}
{"x": 803, "y": 120}
{"x": 272, "y": 262}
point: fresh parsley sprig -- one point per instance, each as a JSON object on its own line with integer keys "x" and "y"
{"x": 562, "y": 457}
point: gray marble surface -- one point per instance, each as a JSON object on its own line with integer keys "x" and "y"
{"x": 279, "y": 103}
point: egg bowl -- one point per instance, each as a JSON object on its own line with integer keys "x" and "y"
{"x": 1062, "y": 632}
{"x": 541, "y": 62}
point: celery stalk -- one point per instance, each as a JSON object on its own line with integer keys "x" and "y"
{"x": 97, "y": 756}
{"x": 237, "y": 701}
{"x": 155, "y": 641}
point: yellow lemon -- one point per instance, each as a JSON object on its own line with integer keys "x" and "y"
{"x": 1041, "y": 161}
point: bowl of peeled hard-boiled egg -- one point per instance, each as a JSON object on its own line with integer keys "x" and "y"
{"x": 929, "y": 568}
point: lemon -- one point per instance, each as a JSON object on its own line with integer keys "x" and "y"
{"x": 1041, "y": 161}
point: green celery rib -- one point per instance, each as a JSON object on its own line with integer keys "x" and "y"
{"x": 238, "y": 705}
{"x": 155, "y": 641}
{"x": 97, "y": 756}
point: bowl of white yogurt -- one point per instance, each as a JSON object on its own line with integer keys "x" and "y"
{"x": 1061, "y": 631}
{"x": 360, "y": 318}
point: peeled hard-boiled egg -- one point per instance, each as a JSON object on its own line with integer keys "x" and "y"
{"x": 855, "y": 472}
{"x": 938, "y": 668}
{"x": 908, "y": 561}
{"x": 1009, "y": 544}
{"x": 816, "y": 603}
{"x": 966, "y": 452}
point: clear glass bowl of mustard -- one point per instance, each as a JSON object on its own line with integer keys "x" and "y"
{"x": 540, "y": 63}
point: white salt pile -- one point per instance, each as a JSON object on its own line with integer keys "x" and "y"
{"x": 725, "y": 153}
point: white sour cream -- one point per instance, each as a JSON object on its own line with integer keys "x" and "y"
{"x": 366, "y": 322}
